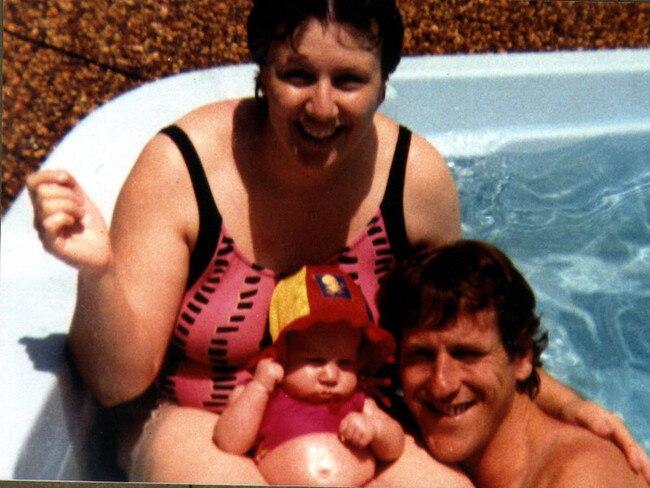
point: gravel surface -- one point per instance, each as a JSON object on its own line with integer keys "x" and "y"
{"x": 64, "y": 58}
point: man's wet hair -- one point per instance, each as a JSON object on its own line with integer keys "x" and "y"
{"x": 436, "y": 286}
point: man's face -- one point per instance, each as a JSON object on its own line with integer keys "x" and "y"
{"x": 459, "y": 383}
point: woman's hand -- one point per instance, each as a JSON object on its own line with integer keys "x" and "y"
{"x": 69, "y": 224}
{"x": 608, "y": 426}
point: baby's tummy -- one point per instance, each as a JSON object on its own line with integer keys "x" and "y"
{"x": 319, "y": 459}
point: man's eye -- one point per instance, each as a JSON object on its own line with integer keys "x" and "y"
{"x": 419, "y": 355}
{"x": 315, "y": 361}
{"x": 468, "y": 354}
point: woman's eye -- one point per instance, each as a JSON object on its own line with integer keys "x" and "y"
{"x": 297, "y": 77}
{"x": 348, "y": 82}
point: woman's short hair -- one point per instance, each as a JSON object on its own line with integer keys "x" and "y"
{"x": 465, "y": 277}
{"x": 271, "y": 20}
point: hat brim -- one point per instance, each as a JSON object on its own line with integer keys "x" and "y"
{"x": 377, "y": 345}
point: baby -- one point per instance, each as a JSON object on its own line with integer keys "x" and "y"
{"x": 303, "y": 411}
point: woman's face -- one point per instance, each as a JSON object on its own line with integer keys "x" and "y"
{"x": 323, "y": 91}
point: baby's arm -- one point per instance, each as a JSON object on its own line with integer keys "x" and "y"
{"x": 237, "y": 428}
{"x": 375, "y": 428}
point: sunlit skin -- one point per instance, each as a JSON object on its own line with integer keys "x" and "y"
{"x": 322, "y": 363}
{"x": 317, "y": 365}
{"x": 460, "y": 383}
{"x": 321, "y": 366}
{"x": 323, "y": 92}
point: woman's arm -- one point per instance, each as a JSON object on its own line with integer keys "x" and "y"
{"x": 131, "y": 278}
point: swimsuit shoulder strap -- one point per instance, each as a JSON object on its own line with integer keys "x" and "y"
{"x": 392, "y": 205}
{"x": 209, "y": 216}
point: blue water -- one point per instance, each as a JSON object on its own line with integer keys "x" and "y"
{"x": 575, "y": 218}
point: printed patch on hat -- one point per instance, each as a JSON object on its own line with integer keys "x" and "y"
{"x": 332, "y": 285}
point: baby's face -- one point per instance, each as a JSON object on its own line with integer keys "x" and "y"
{"x": 322, "y": 363}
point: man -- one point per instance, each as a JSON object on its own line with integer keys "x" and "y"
{"x": 470, "y": 351}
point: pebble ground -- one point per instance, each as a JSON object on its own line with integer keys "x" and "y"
{"x": 64, "y": 58}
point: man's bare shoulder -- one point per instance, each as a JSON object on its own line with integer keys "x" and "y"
{"x": 577, "y": 458}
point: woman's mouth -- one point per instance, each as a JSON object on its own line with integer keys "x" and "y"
{"x": 316, "y": 134}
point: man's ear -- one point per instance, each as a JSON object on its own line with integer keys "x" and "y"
{"x": 523, "y": 365}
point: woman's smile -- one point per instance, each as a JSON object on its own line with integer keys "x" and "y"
{"x": 323, "y": 88}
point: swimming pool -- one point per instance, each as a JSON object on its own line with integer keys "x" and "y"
{"x": 575, "y": 218}
{"x": 550, "y": 152}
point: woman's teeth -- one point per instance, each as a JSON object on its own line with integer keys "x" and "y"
{"x": 320, "y": 135}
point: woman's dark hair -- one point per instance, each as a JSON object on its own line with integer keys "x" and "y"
{"x": 436, "y": 286}
{"x": 277, "y": 20}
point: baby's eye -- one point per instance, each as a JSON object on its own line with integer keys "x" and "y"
{"x": 315, "y": 361}
{"x": 347, "y": 364}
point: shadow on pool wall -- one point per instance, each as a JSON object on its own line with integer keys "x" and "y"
{"x": 479, "y": 105}
{"x": 73, "y": 437}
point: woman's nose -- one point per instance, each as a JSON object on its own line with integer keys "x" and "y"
{"x": 322, "y": 104}
{"x": 444, "y": 380}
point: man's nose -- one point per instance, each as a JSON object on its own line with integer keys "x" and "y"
{"x": 322, "y": 104}
{"x": 444, "y": 380}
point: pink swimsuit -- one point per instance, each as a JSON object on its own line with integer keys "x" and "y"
{"x": 222, "y": 321}
{"x": 286, "y": 418}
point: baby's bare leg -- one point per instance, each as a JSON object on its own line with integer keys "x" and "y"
{"x": 416, "y": 467}
{"x": 176, "y": 447}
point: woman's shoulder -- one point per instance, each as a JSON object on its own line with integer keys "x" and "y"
{"x": 210, "y": 130}
{"x": 217, "y": 117}
{"x": 432, "y": 210}
{"x": 422, "y": 154}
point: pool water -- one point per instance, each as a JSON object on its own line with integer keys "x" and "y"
{"x": 575, "y": 218}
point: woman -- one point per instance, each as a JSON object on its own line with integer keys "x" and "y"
{"x": 235, "y": 195}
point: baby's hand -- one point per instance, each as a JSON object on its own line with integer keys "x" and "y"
{"x": 357, "y": 429}
{"x": 269, "y": 373}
